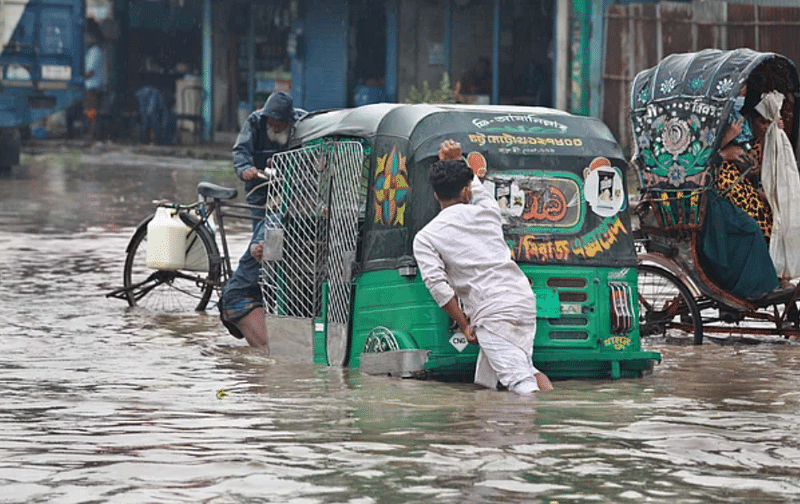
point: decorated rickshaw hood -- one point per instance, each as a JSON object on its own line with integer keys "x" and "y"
{"x": 680, "y": 107}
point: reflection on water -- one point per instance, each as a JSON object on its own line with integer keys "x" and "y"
{"x": 106, "y": 404}
{"x": 71, "y": 192}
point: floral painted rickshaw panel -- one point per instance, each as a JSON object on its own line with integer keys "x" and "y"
{"x": 677, "y": 111}
{"x": 675, "y": 143}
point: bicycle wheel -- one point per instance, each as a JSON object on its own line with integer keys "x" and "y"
{"x": 167, "y": 290}
{"x": 666, "y": 303}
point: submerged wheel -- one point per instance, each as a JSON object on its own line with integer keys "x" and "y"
{"x": 167, "y": 290}
{"x": 666, "y": 303}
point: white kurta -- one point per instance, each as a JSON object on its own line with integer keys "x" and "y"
{"x": 462, "y": 252}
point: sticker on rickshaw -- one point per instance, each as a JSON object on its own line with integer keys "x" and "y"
{"x": 529, "y": 247}
{"x": 459, "y": 341}
{"x": 525, "y": 123}
{"x": 618, "y": 342}
{"x": 603, "y": 187}
{"x": 391, "y": 188}
{"x": 509, "y": 140}
{"x": 537, "y": 200}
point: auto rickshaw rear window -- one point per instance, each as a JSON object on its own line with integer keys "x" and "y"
{"x": 538, "y": 201}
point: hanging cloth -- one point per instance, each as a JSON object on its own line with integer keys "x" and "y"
{"x": 781, "y": 182}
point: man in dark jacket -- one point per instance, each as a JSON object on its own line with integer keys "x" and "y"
{"x": 265, "y": 133}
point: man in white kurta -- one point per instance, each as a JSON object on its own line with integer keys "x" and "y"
{"x": 463, "y": 257}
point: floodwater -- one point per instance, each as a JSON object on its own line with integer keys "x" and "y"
{"x": 101, "y": 403}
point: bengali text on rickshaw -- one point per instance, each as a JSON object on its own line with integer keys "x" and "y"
{"x": 481, "y": 139}
{"x": 529, "y": 248}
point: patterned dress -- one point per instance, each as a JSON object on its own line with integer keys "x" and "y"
{"x": 744, "y": 193}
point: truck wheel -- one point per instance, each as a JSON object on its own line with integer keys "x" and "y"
{"x": 10, "y": 143}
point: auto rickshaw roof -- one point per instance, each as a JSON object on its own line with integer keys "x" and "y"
{"x": 426, "y": 125}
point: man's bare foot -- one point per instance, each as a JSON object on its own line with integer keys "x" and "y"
{"x": 544, "y": 382}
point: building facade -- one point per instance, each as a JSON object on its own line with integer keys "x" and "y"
{"x": 219, "y": 59}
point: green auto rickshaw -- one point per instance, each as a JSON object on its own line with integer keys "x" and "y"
{"x": 352, "y": 191}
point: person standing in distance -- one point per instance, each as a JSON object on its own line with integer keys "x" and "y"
{"x": 93, "y": 76}
{"x": 464, "y": 261}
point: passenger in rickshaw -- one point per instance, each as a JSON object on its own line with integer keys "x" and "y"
{"x": 739, "y": 180}
{"x": 738, "y": 219}
{"x": 462, "y": 256}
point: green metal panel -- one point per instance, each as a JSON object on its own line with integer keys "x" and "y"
{"x": 320, "y": 330}
{"x": 385, "y": 298}
{"x": 573, "y": 335}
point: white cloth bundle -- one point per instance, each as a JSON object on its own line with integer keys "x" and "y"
{"x": 781, "y": 182}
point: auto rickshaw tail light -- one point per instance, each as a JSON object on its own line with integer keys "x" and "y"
{"x": 621, "y": 309}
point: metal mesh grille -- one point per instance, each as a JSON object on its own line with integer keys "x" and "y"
{"x": 313, "y": 210}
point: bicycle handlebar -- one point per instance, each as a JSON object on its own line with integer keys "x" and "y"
{"x": 268, "y": 174}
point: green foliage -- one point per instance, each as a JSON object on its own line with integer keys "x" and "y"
{"x": 443, "y": 94}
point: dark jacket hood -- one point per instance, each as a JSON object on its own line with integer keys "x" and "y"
{"x": 279, "y": 107}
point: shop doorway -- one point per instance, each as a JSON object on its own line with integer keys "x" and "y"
{"x": 367, "y": 47}
{"x": 526, "y": 29}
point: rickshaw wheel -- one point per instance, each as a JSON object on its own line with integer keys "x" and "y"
{"x": 666, "y": 303}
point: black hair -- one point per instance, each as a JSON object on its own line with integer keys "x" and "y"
{"x": 756, "y": 84}
{"x": 93, "y": 28}
{"x": 448, "y": 177}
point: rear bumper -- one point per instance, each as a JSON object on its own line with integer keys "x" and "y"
{"x": 593, "y": 364}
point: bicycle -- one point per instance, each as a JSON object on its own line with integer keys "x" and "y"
{"x": 206, "y": 268}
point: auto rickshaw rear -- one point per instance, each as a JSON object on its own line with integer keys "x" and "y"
{"x": 560, "y": 181}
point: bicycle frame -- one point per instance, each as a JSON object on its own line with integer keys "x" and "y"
{"x": 207, "y": 268}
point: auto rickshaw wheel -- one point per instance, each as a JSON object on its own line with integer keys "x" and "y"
{"x": 666, "y": 303}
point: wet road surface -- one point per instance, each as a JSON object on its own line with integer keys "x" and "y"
{"x": 102, "y": 403}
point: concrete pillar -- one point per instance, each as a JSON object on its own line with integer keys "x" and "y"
{"x": 561, "y": 51}
{"x": 207, "y": 109}
{"x": 392, "y": 45}
{"x": 496, "y": 53}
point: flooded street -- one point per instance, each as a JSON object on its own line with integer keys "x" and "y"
{"x": 102, "y": 403}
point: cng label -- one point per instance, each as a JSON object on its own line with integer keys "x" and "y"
{"x": 459, "y": 341}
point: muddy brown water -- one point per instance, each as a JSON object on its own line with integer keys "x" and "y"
{"x": 101, "y": 403}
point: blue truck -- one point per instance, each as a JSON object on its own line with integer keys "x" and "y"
{"x": 41, "y": 65}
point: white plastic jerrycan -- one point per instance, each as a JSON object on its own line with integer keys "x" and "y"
{"x": 166, "y": 241}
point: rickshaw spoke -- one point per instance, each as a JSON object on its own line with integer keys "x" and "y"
{"x": 666, "y": 303}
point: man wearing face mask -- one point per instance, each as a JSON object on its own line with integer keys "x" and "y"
{"x": 265, "y": 133}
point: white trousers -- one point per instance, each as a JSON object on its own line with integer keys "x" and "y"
{"x": 506, "y": 356}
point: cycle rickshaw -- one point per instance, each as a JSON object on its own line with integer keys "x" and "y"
{"x": 338, "y": 268}
{"x": 679, "y": 111}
